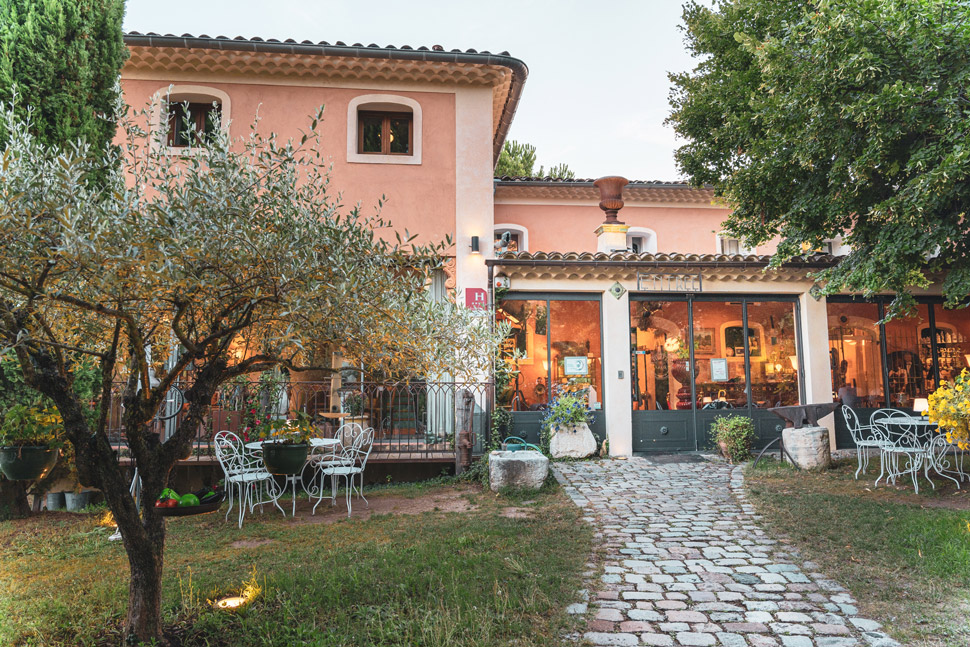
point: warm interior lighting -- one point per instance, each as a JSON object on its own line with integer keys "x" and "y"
{"x": 967, "y": 357}
{"x": 794, "y": 361}
{"x": 707, "y": 399}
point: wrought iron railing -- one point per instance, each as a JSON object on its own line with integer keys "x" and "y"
{"x": 413, "y": 421}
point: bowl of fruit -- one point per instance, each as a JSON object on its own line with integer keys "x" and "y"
{"x": 171, "y": 504}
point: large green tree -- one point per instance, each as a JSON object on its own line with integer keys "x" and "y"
{"x": 63, "y": 59}
{"x": 822, "y": 118}
{"x": 187, "y": 259}
{"x": 519, "y": 160}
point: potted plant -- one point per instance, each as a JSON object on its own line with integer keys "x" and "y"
{"x": 734, "y": 436}
{"x": 353, "y": 403}
{"x": 566, "y": 425}
{"x": 285, "y": 443}
{"x": 30, "y": 438}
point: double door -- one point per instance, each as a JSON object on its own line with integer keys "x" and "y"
{"x": 695, "y": 357}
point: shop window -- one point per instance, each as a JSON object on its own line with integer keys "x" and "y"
{"x": 384, "y": 129}
{"x": 909, "y": 358}
{"x": 855, "y": 354}
{"x": 660, "y": 356}
{"x": 192, "y": 124}
{"x": 511, "y": 238}
{"x": 774, "y": 367}
{"x": 384, "y": 133}
{"x": 554, "y": 347}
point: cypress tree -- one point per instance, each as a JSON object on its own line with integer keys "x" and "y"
{"x": 63, "y": 59}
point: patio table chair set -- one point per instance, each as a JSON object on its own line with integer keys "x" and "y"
{"x": 249, "y": 484}
{"x": 906, "y": 444}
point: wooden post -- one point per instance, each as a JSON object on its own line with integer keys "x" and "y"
{"x": 466, "y": 431}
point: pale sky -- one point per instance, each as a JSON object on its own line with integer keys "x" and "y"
{"x": 596, "y": 96}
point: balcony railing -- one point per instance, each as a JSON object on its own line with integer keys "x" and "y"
{"x": 417, "y": 421}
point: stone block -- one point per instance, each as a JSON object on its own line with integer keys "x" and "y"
{"x": 576, "y": 441}
{"x": 808, "y": 446}
{"x": 526, "y": 469}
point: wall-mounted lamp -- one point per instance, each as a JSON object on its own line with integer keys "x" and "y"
{"x": 475, "y": 249}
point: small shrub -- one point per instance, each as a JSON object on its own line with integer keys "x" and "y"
{"x": 737, "y": 433}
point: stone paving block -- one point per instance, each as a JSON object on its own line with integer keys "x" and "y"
{"x": 832, "y": 641}
{"x": 600, "y": 638}
{"x": 577, "y": 608}
{"x": 686, "y": 616}
{"x": 644, "y": 615}
{"x": 731, "y": 640}
{"x": 613, "y": 615}
{"x": 797, "y": 641}
{"x": 695, "y": 639}
{"x": 658, "y": 640}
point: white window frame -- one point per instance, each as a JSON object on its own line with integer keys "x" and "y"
{"x": 515, "y": 229}
{"x": 186, "y": 93}
{"x": 719, "y": 239}
{"x": 649, "y": 237}
{"x": 383, "y": 103}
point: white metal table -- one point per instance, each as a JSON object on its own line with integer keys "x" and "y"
{"x": 926, "y": 442}
{"x": 291, "y": 479}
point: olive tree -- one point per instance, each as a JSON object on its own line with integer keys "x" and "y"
{"x": 242, "y": 245}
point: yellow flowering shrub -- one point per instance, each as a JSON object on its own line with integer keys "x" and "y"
{"x": 950, "y": 409}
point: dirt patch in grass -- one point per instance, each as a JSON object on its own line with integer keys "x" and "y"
{"x": 250, "y": 543}
{"x": 453, "y": 500}
{"x": 516, "y": 513}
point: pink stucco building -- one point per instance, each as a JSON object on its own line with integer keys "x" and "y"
{"x": 660, "y": 319}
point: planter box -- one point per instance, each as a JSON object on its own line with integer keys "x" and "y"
{"x": 77, "y": 501}
{"x": 55, "y": 500}
{"x": 26, "y": 463}
{"x": 574, "y": 441}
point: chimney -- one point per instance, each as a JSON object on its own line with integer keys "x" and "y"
{"x": 611, "y": 235}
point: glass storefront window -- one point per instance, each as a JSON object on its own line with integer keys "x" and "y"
{"x": 660, "y": 355}
{"x": 577, "y": 362}
{"x": 554, "y": 346}
{"x": 774, "y": 358}
{"x": 855, "y": 354}
{"x": 719, "y": 353}
{"x": 526, "y": 351}
{"x": 909, "y": 358}
{"x": 952, "y": 341}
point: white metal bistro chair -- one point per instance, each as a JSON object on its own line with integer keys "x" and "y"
{"x": 903, "y": 442}
{"x": 352, "y": 460}
{"x": 865, "y": 438}
{"x": 246, "y": 478}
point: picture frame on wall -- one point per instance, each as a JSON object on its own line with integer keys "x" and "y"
{"x": 704, "y": 341}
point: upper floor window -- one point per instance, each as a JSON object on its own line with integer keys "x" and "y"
{"x": 190, "y": 124}
{"x": 186, "y": 116}
{"x": 640, "y": 240}
{"x": 511, "y": 238}
{"x": 383, "y": 129}
{"x": 385, "y": 133}
{"x": 732, "y": 246}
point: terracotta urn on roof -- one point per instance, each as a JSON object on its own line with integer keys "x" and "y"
{"x": 611, "y": 196}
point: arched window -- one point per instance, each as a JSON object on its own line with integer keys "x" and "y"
{"x": 384, "y": 129}
{"x": 511, "y": 238}
{"x": 191, "y": 113}
{"x": 641, "y": 240}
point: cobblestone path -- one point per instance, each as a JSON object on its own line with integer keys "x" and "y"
{"x": 687, "y": 563}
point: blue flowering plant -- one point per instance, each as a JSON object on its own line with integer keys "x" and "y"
{"x": 567, "y": 409}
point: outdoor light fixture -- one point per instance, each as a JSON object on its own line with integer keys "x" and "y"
{"x": 475, "y": 249}
{"x": 230, "y": 603}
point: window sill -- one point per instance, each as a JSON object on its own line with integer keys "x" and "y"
{"x": 371, "y": 158}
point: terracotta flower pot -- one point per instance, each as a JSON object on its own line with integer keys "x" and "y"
{"x": 724, "y": 450}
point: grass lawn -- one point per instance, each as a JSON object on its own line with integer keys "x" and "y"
{"x": 906, "y": 558}
{"x": 428, "y": 565}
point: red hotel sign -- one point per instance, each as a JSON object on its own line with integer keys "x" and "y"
{"x": 476, "y": 298}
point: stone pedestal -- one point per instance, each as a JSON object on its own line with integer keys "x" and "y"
{"x": 808, "y": 446}
{"x": 525, "y": 469}
{"x": 575, "y": 441}
{"x": 611, "y": 237}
